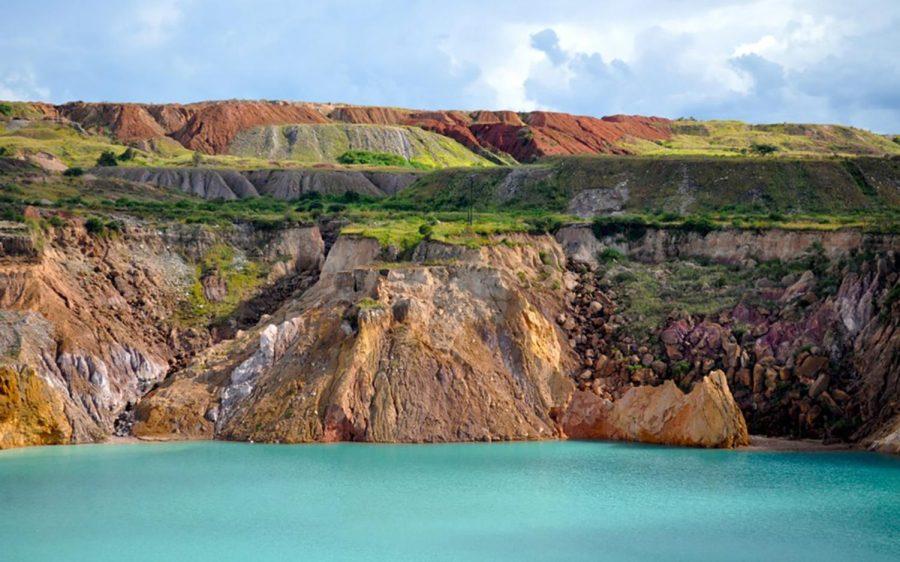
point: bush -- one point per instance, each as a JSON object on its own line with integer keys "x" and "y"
{"x": 350, "y": 197}
{"x": 633, "y": 228}
{"x": 56, "y": 221}
{"x": 703, "y": 225}
{"x": 107, "y": 158}
{"x": 542, "y": 225}
{"x": 6, "y": 109}
{"x": 610, "y": 254}
{"x": 11, "y": 213}
{"x": 426, "y": 230}
{"x": 197, "y": 159}
{"x": 128, "y": 155}
{"x": 372, "y": 158}
{"x": 98, "y": 227}
{"x": 74, "y": 172}
{"x": 763, "y": 149}
{"x": 336, "y": 208}
{"x": 95, "y": 226}
{"x": 308, "y": 205}
{"x": 681, "y": 368}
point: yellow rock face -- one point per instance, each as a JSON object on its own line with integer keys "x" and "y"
{"x": 30, "y": 414}
{"x": 705, "y": 417}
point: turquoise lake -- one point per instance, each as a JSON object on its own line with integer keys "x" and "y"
{"x": 516, "y": 501}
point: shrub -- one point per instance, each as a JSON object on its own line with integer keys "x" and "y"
{"x": 74, "y": 172}
{"x": 426, "y": 230}
{"x": 542, "y": 224}
{"x": 56, "y": 221}
{"x": 336, "y": 208}
{"x": 350, "y": 197}
{"x": 127, "y": 155}
{"x": 610, "y": 254}
{"x": 703, "y": 225}
{"x": 197, "y": 159}
{"x": 100, "y": 228}
{"x": 681, "y": 368}
{"x": 107, "y": 158}
{"x": 11, "y": 213}
{"x": 372, "y": 158}
{"x": 95, "y": 226}
{"x": 6, "y": 109}
{"x": 633, "y": 228}
{"x": 763, "y": 149}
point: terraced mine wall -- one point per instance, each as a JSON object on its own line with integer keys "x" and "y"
{"x": 281, "y": 184}
{"x": 604, "y": 185}
{"x": 232, "y": 333}
{"x": 804, "y": 325}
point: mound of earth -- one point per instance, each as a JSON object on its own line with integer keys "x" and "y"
{"x": 327, "y": 142}
{"x": 211, "y": 183}
{"x": 212, "y": 127}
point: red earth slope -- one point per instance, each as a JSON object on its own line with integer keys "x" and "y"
{"x": 210, "y": 127}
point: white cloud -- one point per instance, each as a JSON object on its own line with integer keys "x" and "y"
{"x": 756, "y": 60}
{"x": 22, "y": 85}
{"x": 154, "y": 22}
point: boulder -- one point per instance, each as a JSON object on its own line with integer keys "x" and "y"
{"x": 705, "y": 417}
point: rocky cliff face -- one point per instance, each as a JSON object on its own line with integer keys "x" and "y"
{"x": 90, "y": 324}
{"x": 707, "y": 416}
{"x": 406, "y": 352}
{"x": 807, "y": 339}
{"x": 515, "y": 339}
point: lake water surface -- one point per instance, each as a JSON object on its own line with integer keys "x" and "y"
{"x": 517, "y": 501}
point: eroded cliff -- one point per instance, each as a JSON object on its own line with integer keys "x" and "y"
{"x": 188, "y": 332}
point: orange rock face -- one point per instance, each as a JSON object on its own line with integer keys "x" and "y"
{"x": 211, "y": 126}
{"x": 705, "y": 417}
{"x": 30, "y": 414}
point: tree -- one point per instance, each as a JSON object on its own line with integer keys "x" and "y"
{"x": 197, "y": 159}
{"x": 107, "y": 158}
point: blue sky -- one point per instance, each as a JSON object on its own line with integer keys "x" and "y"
{"x": 758, "y": 60}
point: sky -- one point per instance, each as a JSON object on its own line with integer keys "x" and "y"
{"x": 762, "y": 61}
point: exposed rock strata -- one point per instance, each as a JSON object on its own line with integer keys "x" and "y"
{"x": 411, "y": 353}
{"x": 211, "y": 183}
{"x": 497, "y": 342}
{"x": 707, "y": 416}
{"x": 212, "y": 127}
{"x": 807, "y": 355}
{"x": 96, "y": 321}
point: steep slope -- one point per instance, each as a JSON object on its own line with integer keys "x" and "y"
{"x": 212, "y": 127}
{"x": 89, "y": 324}
{"x": 502, "y": 137}
{"x": 325, "y": 143}
{"x": 455, "y": 346}
{"x": 803, "y": 325}
{"x": 730, "y": 138}
{"x": 589, "y": 186}
{"x": 410, "y": 353}
{"x": 211, "y": 183}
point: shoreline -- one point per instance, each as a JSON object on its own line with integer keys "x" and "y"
{"x": 758, "y": 443}
{"x": 781, "y": 444}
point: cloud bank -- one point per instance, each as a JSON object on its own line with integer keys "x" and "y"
{"x": 757, "y": 60}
